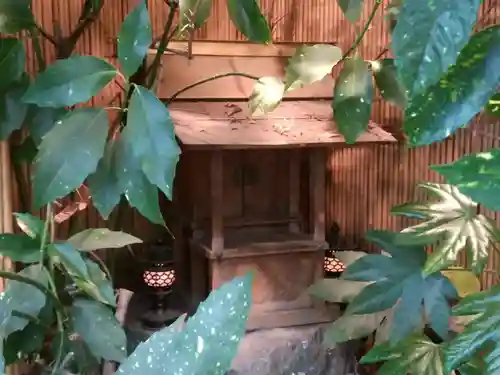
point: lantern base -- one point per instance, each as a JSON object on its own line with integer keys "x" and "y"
{"x": 157, "y": 319}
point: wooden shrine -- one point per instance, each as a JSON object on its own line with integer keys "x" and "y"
{"x": 252, "y": 188}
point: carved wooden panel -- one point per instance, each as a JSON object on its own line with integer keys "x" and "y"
{"x": 280, "y": 280}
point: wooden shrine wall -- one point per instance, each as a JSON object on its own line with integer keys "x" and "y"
{"x": 363, "y": 182}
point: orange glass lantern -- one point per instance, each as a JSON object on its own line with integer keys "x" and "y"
{"x": 333, "y": 266}
{"x": 158, "y": 276}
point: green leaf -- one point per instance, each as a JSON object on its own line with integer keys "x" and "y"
{"x": 484, "y": 329}
{"x": 438, "y": 292}
{"x": 452, "y": 102}
{"x": 476, "y": 175}
{"x": 101, "y": 238}
{"x": 41, "y": 120}
{"x": 347, "y": 257}
{"x": 25, "y": 298}
{"x": 70, "y": 258}
{"x": 310, "y": 64}
{"x": 493, "y": 106}
{"x": 12, "y": 110}
{"x": 76, "y": 354}
{"x": 351, "y": 327}
{"x": 150, "y": 127}
{"x": 336, "y": 290}
{"x": 134, "y": 38}
{"x": 453, "y": 220}
{"x": 139, "y": 192}
{"x": 69, "y": 153}
{"x": 415, "y": 355}
{"x": 207, "y": 343}
{"x": 266, "y": 95}
{"x": 16, "y": 16}
{"x": 19, "y": 248}
{"x": 428, "y": 38}
{"x": 19, "y": 344}
{"x": 98, "y": 286}
{"x": 389, "y": 85}
{"x": 193, "y": 14}
{"x": 248, "y": 19}
{"x": 99, "y": 329}
{"x": 352, "y": 102}
{"x": 12, "y": 60}
{"x": 398, "y": 281}
{"x": 104, "y": 185}
{"x": 352, "y": 9}
{"x": 70, "y": 81}
{"x": 31, "y": 225}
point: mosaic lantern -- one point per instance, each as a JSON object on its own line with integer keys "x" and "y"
{"x": 333, "y": 266}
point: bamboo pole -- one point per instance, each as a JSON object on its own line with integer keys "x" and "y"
{"x": 6, "y": 220}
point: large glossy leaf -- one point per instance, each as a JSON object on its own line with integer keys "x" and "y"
{"x": 16, "y": 16}
{"x": 336, "y": 290}
{"x": 351, "y": 327}
{"x": 99, "y": 329}
{"x": 415, "y": 355}
{"x": 208, "y": 342}
{"x": 139, "y": 192}
{"x": 453, "y": 222}
{"x": 484, "y": 329}
{"x": 193, "y": 14}
{"x": 428, "y": 38}
{"x": 352, "y": 9}
{"x": 98, "y": 286}
{"x": 310, "y": 64}
{"x": 388, "y": 83}
{"x": 70, "y": 258}
{"x": 150, "y": 127}
{"x": 12, "y": 110}
{"x": 42, "y": 119}
{"x": 25, "y": 298}
{"x": 31, "y": 225}
{"x": 21, "y": 343}
{"x": 476, "y": 175}
{"x": 12, "y": 60}
{"x": 101, "y": 238}
{"x": 452, "y": 102}
{"x": 19, "y": 248}
{"x": 266, "y": 95}
{"x": 134, "y": 39}
{"x": 70, "y": 81}
{"x": 69, "y": 153}
{"x": 398, "y": 282}
{"x": 352, "y": 101}
{"x": 104, "y": 184}
{"x": 248, "y": 19}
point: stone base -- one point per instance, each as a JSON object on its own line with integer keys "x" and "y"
{"x": 293, "y": 351}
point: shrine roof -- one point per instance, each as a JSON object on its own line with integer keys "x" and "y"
{"x": 292, "y": 124}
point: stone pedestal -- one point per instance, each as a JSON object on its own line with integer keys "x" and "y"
{"x": 293, "y": 351}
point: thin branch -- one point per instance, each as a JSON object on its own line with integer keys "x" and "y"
{"x": 152, "y": 72}
{"x": 358, "y": 40}
{"x": 213, "y": 78}
{"x": 46, "y": 35}
{"x": 382, "y": 53}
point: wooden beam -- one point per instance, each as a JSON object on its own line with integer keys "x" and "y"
{"x": 317, "y": 184}
{"x": 217, "y": 202}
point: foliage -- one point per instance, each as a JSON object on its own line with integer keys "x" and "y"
{"x": 442, "y": 75}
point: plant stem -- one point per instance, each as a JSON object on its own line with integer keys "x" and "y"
{"x": 152, "y": 73}
{"x": 35, "y": 42}
{"x": 60, "y": 329}
{"x": 23, "y": 279}
{"x": 213, "y": 78}
{"x": 358, "y": 40}
{"x": 45, "y": 233}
